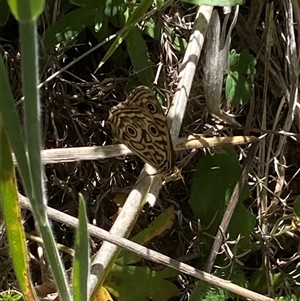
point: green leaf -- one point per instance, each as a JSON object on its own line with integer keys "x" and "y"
{"x": 100, "y": 26}
{"x": 65, "y": 30}
{"x": 297, "y": 206}
{"x": 258, "y": 282}
{"x": 127, "y": 274}
{"x": 142, "y": 7}
{"x": 288, "y": 298}
{"x": 13, "y": 128}
{"x": 215, "y": 2}
{"x": 243, "y": 62}
{"x": 138, "y": 52}
{"x": 99, "y": 18}
{"x": 146, "y": 284}
{"x": 4, "y": 12}
{"x": 244, "y": 228}
{"x": 12, "y": 215}
{"x": 32, "y": 129}
{"x": 114, "y": 7}
{"x": 238, "y": 88}
{"x": 81, "y": 263}
{"x": 159, "y": 3}
{"x": 161, "y": 224}
{"x": 88, "y": 3}
{"x": 213, "y": 183}
{"x": 205, "y": 292}
{"x": 26, "y": 10}
{"x": 151, "y": 29}
{"x": 177, "y": 42}
{"x": 11, "y": 295}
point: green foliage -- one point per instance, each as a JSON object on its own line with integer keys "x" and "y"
{"x": 114, "y": 7}
{"x": 140, "y": 283}
{"x": 11, "y": 295}
{"x": 205, "y": 292}
{"x": 213, "y": 183}
{"x": 12, "y": 212}
{"x": 297, "y": 207}
{"x": 177, "y": 41}
{"x": 27, "y": 150}
{"x": 26, "y": 11}
{"x": 100, "y": 17}
{"x": 131, "y": 16}
{"x": 239, "y": 88}
{"x": 138, "y": 52}
{"x": 128, "y": 274}
{"x": 212, "y": 187}
{"x": 64, "y": 31}
{"x": 215, "y": 2}
{"x": 4, "y": 12}
{"x": 289, "y": 298}
{"x": 258, "y": 282}
{"x": 81, "y": 263}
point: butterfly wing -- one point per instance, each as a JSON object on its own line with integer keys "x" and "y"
{"x": 141, "y": 125}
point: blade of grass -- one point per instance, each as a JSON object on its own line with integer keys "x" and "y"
{"x": 12, "y": 216}
{"x": 34, "y": 180}
{"x": 29, "y": 67}
{"x": 81, "y": 264}
{"x": 13, "y": 128}
{"x": 138, "y": 52}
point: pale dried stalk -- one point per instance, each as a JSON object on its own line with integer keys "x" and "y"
{"x": 75, "y": 154}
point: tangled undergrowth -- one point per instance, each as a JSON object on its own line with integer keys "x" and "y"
{"x": 75, "y": 108}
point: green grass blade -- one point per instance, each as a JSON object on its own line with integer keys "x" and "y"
{"x": 26, "y": 10}
{"x": 35, "y": 185}
{"x": 12, "y": 216}
{"x": 81, "y": 264}
{"x": 29, "y": 67}
{"x": 138, "y": 52}
{"x": 13, "y": 128}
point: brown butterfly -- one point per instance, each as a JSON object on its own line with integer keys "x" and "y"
{"x": 141, "y": 125}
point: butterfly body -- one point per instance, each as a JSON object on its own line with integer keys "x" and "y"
{"x": 141, "y": 125}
